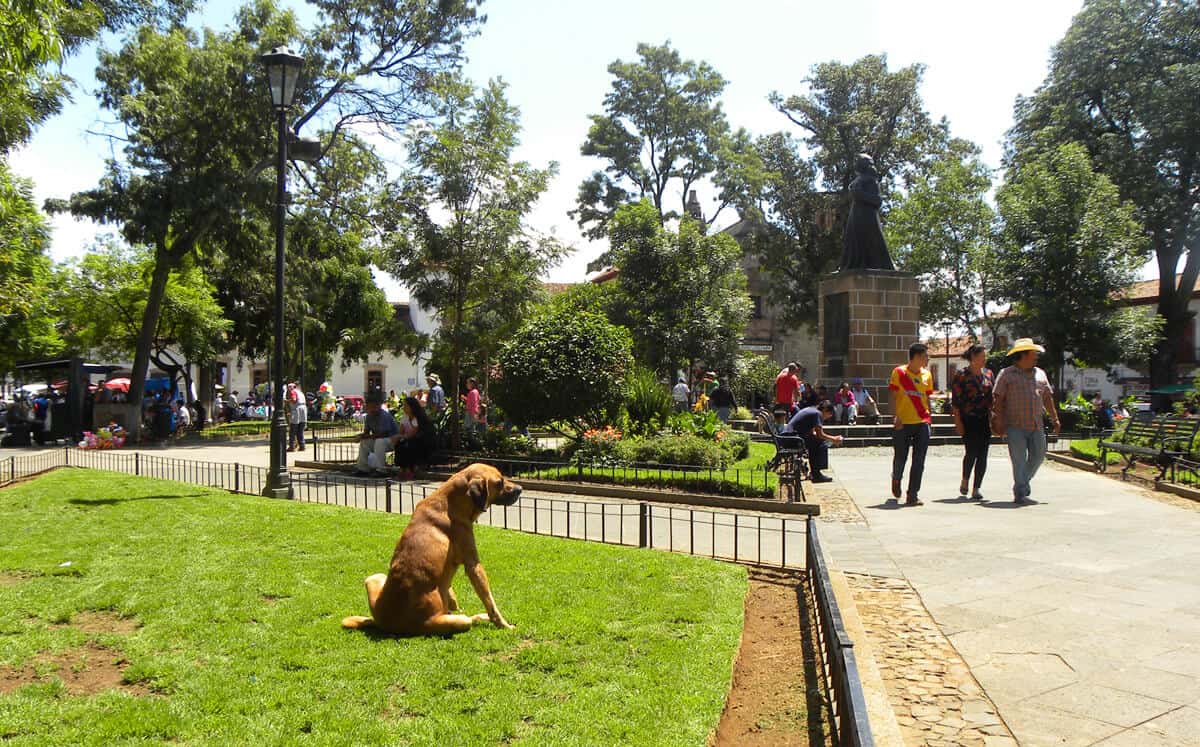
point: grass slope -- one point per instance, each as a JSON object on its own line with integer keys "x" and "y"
{"x": 240, "y": 600}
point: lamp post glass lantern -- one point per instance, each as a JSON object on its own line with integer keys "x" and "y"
{"x": 283, "y": 70}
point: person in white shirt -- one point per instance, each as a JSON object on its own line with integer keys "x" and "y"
{"x": 866, "y": 403}
{"x": 680, "y": 394}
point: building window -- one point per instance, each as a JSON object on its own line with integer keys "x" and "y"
{"x": 374, "y": 379}
{"x": 756, "y": 307}
{"x": 258, "y": 375}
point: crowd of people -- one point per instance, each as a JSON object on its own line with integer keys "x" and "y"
{"x": 1017, "y": 403}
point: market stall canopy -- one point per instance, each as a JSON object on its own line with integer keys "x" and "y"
{"x": 1172, "y": 389}
{"x": 120, "y": 384}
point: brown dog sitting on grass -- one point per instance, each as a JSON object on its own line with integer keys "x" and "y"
{"x": 414, "y": 597}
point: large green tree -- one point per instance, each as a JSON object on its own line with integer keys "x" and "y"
{"x": 794, "y": 193}
{"x": 102, "y": 298}
{"x": 662, "y": 125}
{"x": 1125, "y": 81}
{"x": 35, "y": 37}
{"x": 458, "y": 237}
{"x": 27, "y": 313}
{"x": 196, "y": 130}
{"x": 332, "y": 296}
{"x": 1069, "y": 246}
{"x": 942, "y": 231}
{"x": 681, "y": 294}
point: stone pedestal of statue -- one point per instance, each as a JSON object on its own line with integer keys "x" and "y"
{"x": 867, "y": 319}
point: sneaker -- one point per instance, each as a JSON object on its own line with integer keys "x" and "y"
{"x": 895, "y": 488}
{"x": 914, "y": 501}
{"x": 1023, "y": 500}
{"x": 977, "y": 496}
{"x": 818, "y": 477}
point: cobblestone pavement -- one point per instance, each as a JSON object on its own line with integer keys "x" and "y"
{"x": 836, "y": 504}
{"x": 936, "y": 699}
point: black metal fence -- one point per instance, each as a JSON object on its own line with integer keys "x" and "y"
{"x": 751, "y": 538}
{"x": 757, "y": 483}
{"x": 841, "y": 676}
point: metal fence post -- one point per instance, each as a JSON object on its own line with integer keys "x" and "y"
{"x": 237, "y": 477}
{"x": 643, "y": 524}
{"x": 66, "y": 456}
{"x": 387, "y": 496}
{"x": 137, "y": 463}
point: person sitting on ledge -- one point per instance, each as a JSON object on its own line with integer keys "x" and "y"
{"x": 807, "y": 424}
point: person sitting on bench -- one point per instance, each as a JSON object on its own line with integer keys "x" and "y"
{"x": 416, "y": 440}
{"x": 807, "y": 424}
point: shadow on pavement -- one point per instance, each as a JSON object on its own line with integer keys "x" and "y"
{"x": 1010, "y": 504}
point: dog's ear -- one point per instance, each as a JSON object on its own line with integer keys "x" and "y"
{"x": 477, "y": 490}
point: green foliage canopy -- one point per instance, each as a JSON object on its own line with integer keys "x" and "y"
{"x": 662, "y": 123}
{"x": 681, "y": 294}
{"x": 564, "y": 369}
{"x": 1125, "y": 82}
{"x": 942, "y": 232}
{"x": 1069, "y": 246}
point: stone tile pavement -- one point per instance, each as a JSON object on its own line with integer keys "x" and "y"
{"x": 1079, "y": 616}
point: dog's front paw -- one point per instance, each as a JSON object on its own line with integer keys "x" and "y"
{"x": 505, "y": 624}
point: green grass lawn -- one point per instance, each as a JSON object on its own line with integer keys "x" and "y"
{"x": 263, "y": 428}
{"x": 1090, "y": 449}
{"x": 240, "y": 599}
{"x": 745, "y": 477}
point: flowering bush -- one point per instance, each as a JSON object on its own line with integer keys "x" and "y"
{"x": 598, "y": 446}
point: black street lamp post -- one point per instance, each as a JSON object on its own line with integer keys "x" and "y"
{"x": 283, "y": 69}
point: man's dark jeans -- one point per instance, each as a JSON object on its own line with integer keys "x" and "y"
{"x": 916, "y": 436}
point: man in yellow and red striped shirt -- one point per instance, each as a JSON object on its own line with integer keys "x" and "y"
{"x": 910, "y": 387}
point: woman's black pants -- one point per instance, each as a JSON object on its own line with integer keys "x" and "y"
{"x": 977, "y": 435}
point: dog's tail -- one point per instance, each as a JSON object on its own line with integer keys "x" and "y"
{"x": 357, "y": 622}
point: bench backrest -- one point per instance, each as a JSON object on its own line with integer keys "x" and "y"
{"x": 1177, "y": 433}
{"x": 1142, "y": 432}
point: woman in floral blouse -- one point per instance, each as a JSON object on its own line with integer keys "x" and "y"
{"x": 971, "y": 400}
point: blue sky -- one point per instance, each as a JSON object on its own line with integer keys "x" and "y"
{"x": 554, "y": 55}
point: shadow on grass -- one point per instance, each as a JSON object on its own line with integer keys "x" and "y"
{"x": 115, "y": 501}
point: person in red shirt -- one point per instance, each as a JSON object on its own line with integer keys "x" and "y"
{"x": 787, "y": 385}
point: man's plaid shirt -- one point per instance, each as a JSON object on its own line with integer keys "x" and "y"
{"x": 1019, "y": 397}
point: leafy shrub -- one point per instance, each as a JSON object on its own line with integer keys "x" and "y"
{"x": 564, "y": 367}
{"x": 741, "y": 413}
{"x": 647, "y": 402}
{"x": 735, "y": 443}
{"x": 684, "y": 450}
{"x": 1079, "y": 413}
{"x": 704, "y": 424}
{"x": 754, "y": 382}
{"x": 599, "y": 446}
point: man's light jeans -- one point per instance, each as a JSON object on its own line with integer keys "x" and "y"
{"x": 379, "y": 446}
{"x": 1027, "y": 449}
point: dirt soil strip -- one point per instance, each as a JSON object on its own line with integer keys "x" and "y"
{"x": 936, "y": 698}
{"x": 776, "y": 697}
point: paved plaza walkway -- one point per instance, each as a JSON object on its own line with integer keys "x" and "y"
{"x": 1079, "y": 616}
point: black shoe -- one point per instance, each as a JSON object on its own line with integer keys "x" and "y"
{"x": 818, "y": 477}
{"x": 912, "y": 501}
{"x": 895, "y": 488}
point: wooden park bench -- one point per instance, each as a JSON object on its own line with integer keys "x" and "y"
{"x": 791, "y": 455}
{"x": 1162, "y": 441}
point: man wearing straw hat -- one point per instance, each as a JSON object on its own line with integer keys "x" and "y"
{"x": 1021, "y": 400}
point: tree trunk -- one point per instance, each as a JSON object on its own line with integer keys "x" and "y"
{"x": 163, "y": 263}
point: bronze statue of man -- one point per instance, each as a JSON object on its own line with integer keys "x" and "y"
{"x": 863, "y": 247}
